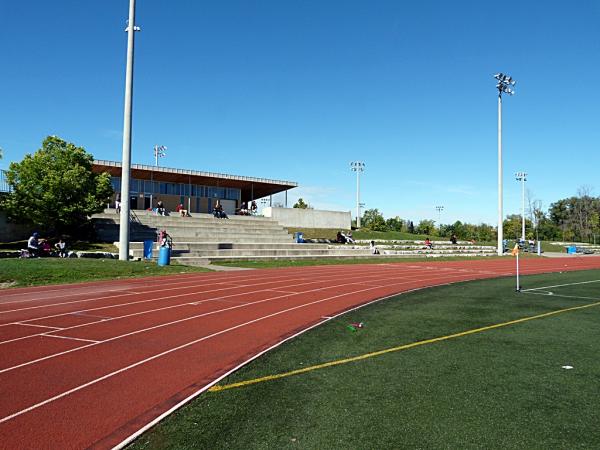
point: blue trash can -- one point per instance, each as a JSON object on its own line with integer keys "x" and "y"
{"x": 164, "y": 256}
{"x": 148, "y": 249}
{"x": 299, "y": 237}
{"x": 571, "y": 250}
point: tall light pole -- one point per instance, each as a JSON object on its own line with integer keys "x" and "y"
{"x": 358, "y": 167}
{"x": 159, "y": 152}
{"x": 504, "y": 85}
{"x": 126, "y": 163}
{"x": 439, "y": 209}
{"x": 522, "y": 177}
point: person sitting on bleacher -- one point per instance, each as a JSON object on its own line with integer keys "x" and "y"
{"x": 33, "y": 245}
{"x": 218, "y": 211}
{"x": 160, "y": 208}
{"x": 253, "y": 208}
{"x": 428, "y": 244}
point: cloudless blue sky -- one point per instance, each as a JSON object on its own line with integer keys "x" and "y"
{"x": 295, "y": 90}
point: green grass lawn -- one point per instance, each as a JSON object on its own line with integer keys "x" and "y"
{"x": 498, "y": 388}
{"x": 42, "y": 271}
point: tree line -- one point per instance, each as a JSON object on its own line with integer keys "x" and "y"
{"x": 575, "y": 218}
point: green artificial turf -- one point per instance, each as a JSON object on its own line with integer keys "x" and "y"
{"x": 500, "y": 388}
{"x": 42, "y": 271}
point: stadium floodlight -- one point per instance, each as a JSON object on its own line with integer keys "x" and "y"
{"x": 159, "y": 152}
{"x": 522, "y": 177}
{"x": 439, "y": 209}
{"x": 358, "y": 167}
{"x": 504, "y": 86}
{"x": 126, "y": 162}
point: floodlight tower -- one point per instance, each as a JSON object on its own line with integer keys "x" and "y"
{"x": 159, "y": 152}
{"x": 358, "y": 167}
{"x": 522, "y": 177}
{"x": 504, "y": 86}
{"x": 126, "y": 163}
{"x": 439, "y": 209}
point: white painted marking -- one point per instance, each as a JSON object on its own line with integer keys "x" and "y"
{"x": 70, "y": 338}
{"x": 562, "y": 285}
{"x": 166, "y": 352}
{"x": 36, "y": 325}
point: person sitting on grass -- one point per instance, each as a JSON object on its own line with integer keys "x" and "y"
{"x": 33, "y": 245}
{"x": 61, "y": 248}
{"x": 45, "y": 249}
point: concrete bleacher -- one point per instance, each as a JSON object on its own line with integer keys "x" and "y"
{"x": 202, "y": 239}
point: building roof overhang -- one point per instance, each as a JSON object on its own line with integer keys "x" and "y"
{"x": 251, "y": 187}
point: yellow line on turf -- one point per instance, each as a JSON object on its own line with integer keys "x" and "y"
{"x": 393, "y": 349}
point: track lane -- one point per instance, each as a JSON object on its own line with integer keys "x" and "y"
{"x": 237, "y": 344}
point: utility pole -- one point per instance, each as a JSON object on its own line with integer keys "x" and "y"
{"x": 126, "y": 162}
{"x": 358, "y": 167}
{"x": 504, "y": 85}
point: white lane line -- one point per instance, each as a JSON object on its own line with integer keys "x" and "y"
{"x": 181, "y": 284}
{"x": 36, "y": 325}
{"x": 552, "y": 294}
{"x": 560, "y": 285}
{"x": 270, "y": 281}
{"x": 242, "y": 305}
{"x": 166, "y": 352}
{"x": 141, "y": 312}
{"x": 154, "y": 299}
{"x": 71, "y": 338}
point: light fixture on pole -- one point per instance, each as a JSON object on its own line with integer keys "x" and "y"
{"x": 504, "y": 85}
{"x": 522, "y": 177}
{"x": 159, "y": 152}
{"x": 126, "y": 162}
{"x": 358, "y": 167}
{"x": 439, "y": 209}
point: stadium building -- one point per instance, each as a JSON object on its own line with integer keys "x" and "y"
{"x": 197, "y": 191}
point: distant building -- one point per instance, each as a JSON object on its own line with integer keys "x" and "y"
{"x": 197, "y": 191}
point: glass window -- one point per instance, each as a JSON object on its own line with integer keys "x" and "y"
{"x": 185, "y": 189}
{"x": 116, "y": 183}
{"x": 233, "y": 194}
{"x": 134, "y": 185}
{"x": 163, "y": 188}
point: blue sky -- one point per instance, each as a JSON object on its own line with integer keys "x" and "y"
{"x": 295, "y": 90}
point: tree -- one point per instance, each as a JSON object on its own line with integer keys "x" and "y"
{"x": 55, "y": 189}
{"x": 394, "y": 224}
{"x": 300, "y": 204}
{"x": 373, "y": 220}
{"x": 426, "y": 226}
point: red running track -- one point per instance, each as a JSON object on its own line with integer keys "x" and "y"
{"x": 91, "y": 365}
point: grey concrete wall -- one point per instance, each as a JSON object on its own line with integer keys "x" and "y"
{"x": 11, "y": 231}
{"x": 309, "y": 218}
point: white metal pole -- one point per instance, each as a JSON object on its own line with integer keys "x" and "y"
{"x": 523, "y": 209}
{"x": 518, "y": 284}
{"x": 357, "y": 198}
{"x": 126, "y": 163}
{"x": 500, "y": 230}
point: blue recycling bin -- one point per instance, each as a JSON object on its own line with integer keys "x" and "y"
{"x": 299, "y": 237}
{"x": 148, "y": 249}
{"x": 164, "y": 256}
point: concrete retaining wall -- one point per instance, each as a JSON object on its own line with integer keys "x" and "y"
{"x": 309, "y": 218}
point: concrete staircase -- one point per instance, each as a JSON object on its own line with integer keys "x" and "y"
{"x": 201, "y": 239}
